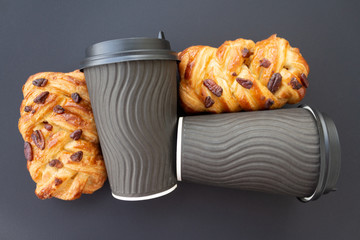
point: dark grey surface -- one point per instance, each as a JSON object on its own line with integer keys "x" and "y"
{"x": 38, "y": 36}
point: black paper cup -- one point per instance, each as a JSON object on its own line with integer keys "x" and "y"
{"x": 288, "y": 151}
{"x": 132, "y": 88}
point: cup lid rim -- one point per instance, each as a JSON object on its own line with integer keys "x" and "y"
{"x": 128, "y": 49}
{"x": 330, "y": 156}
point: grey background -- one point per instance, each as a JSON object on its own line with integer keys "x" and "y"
{"x": 41, "y": 36}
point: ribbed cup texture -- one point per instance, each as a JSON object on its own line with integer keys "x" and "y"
{"x": 134, "y": 105}
{"x": 273, "y": 151}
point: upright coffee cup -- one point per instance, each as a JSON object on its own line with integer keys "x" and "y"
{"x": 288, "y": 151}
{"x": 132, "y": 88}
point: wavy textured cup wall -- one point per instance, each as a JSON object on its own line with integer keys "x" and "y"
{"x": 134, "y": 105}
{"x": 270, "y": 151}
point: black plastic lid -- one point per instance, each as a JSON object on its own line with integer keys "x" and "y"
{"x": 128, "y": 49}
{"x": 330, "y": 155}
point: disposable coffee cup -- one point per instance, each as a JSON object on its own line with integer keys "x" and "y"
{"x": 289, "y": 151}
{"x": 132, "y": 88}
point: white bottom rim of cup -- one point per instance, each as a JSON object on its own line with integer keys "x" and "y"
{"x": 307, "y": 199}
{"x": 178, "y": 149}
{"x": 148, "y": 197}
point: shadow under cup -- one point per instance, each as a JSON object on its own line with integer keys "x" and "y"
{"x": 132, "y": 87}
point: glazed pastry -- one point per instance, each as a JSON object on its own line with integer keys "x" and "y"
{"x": 242, "y": 75}
{"x": 61, "y": 143}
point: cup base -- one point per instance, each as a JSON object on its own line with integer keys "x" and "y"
{"x": 148, "y": 197}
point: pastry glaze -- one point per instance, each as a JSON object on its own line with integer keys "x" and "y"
{"x": 65, "y": 177}
{"x": 243, "y": 60}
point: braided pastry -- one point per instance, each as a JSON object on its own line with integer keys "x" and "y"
{"x": 242, "y": 75}
{"x": 61, "y": 142}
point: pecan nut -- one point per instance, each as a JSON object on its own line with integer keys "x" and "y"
{"x": 265, "y": 63}
{"x": 76, "y": 97}
{"x": 40, "y": 82}
{"x": 294, "y": 83}
{"x": 245, "y": 82}
{"x": 40, "y": 99}
{"x": 304, "y": 80}
{"x": 76, "y": 134}
{"x": 76, "y": 157}
{"x": 56, "y": 163}
{"x": 213, "y": 87}
{"x": 38, "y": 139}
{"x": 59, "y": 109}
{"x": 28, "y": 151}
{"x": 209, "y": 102}
{"x": 274, "y": 82}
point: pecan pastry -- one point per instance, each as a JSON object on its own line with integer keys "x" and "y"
{"x": 61, "y": 143}
{"x": 242, "y": 75}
